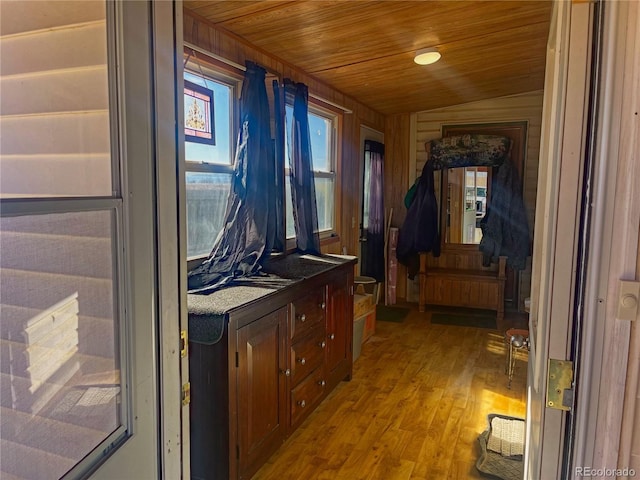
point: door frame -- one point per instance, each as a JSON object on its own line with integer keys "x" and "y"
{"x": 366, "y": 133}
{"x": 564, "y": 122}
{"x": 555, "y": 448}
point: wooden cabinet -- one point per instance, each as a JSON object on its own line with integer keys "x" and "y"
{"x": 278, "y": 358}
{"x": 261, "y": 386}
{"x": 340, "y": 329}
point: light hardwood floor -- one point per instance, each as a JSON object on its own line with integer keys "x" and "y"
{"x": 418, "y": 400}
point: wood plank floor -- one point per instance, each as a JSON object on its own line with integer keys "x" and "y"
{"x": 418, "y": 400}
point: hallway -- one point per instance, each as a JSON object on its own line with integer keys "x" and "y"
{"x": 418, "y": 400}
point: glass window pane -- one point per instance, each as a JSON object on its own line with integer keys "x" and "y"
{"x": 324, "y": 201}
{"x": 220, "y": 153}
{"x": 207, "y": 195}
{"x": 60, "y": 384}
{"x": 54, "y": 112}
{"x": 320, "y": 131}
{"x": 320, "y": 128}
{"x": 324, "y": 204}
{"x": 290, "y": 229}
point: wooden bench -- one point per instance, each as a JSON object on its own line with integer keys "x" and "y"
{"x": 457, "y": 279}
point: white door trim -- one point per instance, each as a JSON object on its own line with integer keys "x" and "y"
{"x": 557, "y": 227}
{"x": 602, "y": 409}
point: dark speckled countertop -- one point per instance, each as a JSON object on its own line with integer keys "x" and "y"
{"x": 208, "y": 313}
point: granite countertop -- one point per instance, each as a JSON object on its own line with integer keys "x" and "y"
{"x": 208, "y": 313}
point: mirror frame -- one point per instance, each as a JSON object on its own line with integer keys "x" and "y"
{"x": 517, "y": 131}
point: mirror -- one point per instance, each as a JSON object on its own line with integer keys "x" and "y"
{"x": 467, "y": 195}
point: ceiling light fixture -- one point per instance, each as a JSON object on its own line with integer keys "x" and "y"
{"x": 427, "y": 56}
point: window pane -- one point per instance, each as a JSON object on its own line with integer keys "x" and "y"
{"x": 60, "y": 384}
{"x": 324, "y": 204}
{"x": 290, "y": 230}
{"x": 207, "y": 195}
{"x": 324, "y": 201}
{"x": 220, "y": 153}
{"x": 320, "y": 131}
{"x": 54, "y": 108}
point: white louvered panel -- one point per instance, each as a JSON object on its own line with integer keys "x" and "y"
{"x": 63, "y": 133}
{"x": 54, "y": 105}
{"x": 20, "y": 16}
{"x": 75, "y": 90}
{"x": 91, "y": 174}
{"x": 78, "y": 46}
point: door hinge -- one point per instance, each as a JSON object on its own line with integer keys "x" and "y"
{"x": 184, "y": 344}
{"x": 186, "y": 393}
{"x": 560, "y": 385}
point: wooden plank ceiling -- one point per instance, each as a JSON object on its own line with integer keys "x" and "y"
{"x": 365, "y": 49}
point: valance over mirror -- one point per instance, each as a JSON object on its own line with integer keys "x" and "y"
{"x": 469, "y": 151}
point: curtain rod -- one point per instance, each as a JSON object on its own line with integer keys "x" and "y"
{"x": 244, "y": 69}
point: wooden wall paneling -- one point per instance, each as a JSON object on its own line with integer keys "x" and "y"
{"x": 396, "y": 179}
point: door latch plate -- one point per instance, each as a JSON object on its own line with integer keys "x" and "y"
{"x": 560, "y": 384}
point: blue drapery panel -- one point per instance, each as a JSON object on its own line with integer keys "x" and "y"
{"x": 303, "y": 190}
{"x": 373, "y": 225}
{"x": 249, "y": 232}
{"x": 279, "y": 151}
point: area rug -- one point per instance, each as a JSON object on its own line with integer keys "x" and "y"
{"x": 466, "y": 318}
{"x": 502, "y": 446}
{"x": 387, "y": 313}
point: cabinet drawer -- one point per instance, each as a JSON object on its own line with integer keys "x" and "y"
{"x": 306, "y": 396}
{"x": 307, "y": 354}
{"x": 308, "y": 312}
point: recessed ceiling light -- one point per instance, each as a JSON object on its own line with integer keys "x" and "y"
{"x": 427, "y": 56}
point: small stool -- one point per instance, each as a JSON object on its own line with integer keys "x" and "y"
{"x": 518, "y": 339}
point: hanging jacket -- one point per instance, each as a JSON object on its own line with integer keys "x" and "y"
{"x": 419, "y": 232}
{"x": 505, "y": 228}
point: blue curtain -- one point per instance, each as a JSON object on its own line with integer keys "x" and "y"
{"x": 251, "y": 218}
{"x": 303, "y": 190}
{"x": 372, "y": 236}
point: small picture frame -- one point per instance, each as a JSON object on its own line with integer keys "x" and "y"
{"x": 198, "y": 114}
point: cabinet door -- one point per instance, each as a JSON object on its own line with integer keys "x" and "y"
{"x": 262, "y": 382}
{"x": 340, "y": 329}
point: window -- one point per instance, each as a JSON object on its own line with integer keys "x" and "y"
{"x": 322, "y": 128}
{"x": 64, "y": 372}
{"x": 209, "y": 167}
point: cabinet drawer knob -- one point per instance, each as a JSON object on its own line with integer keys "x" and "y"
{"x": 322, "y": 344}
{"x": 323, "y": 305}
{"x": 286, "y": 372}
{"x": 302, "y": 403}
{"x": 302, "y": 317}
{"x": 322, "y": 383}
{"x": 332, "y": 336}
{"x": 302, "y": 361}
